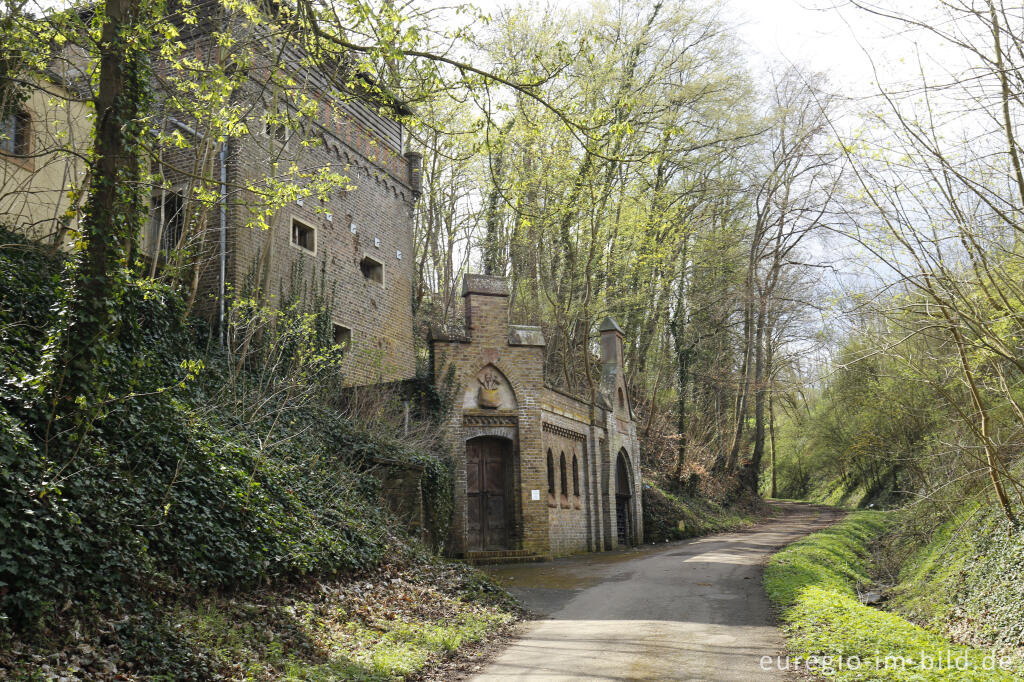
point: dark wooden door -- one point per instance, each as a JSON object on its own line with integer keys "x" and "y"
{"x": 487, "y": 476}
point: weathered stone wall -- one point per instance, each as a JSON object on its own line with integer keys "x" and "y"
{"x": 401, "y": 491}
{"x": 537, "y": 418}
{"x": 371, "y": 220}
{"x": 569, "y": 517}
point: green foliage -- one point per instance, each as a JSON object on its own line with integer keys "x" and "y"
{"x": 814, "y": 583}
{"x": 168, "y": 488}
{"x": 861, "y": 439}
{"x": 965, "y": 577}
{"x": 674, "y": 517}
{"x": 395, "y": 621}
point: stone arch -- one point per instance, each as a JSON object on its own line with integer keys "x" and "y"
{"x": 575, "y": 475}
{"x": 625, "y": 523}
{"x": 551, "y": 473}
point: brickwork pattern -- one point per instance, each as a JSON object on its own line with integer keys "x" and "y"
{"x": 349, "y": 137}
{"x": 543, "y": 419}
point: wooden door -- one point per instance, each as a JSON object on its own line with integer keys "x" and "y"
{"x": 487, "y": 476}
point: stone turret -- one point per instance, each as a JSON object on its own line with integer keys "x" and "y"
{"x": 612, "y": 379}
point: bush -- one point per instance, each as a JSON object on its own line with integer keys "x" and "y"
{"x": 171, "y": 486}
{"x": 674, "y": 517}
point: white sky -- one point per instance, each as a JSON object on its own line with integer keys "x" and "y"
{"x": 826, "y": 35}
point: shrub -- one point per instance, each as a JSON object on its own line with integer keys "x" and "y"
{"x": 173, "y": 486}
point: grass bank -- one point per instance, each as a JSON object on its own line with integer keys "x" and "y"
{"x": 669, "y": 516}
{"x": 417, "y": 619}
{"x": 219, "y": 514}
{"x": 814, "y": 584}
{"x": 965, "y": 579}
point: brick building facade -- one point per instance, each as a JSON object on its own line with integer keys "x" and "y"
{"x": 358, "y": 243}
{"x": 538, "y": 472}
{"x": 353, "y": 246}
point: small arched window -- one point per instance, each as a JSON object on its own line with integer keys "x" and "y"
{"x": 622, "y": 399}
{"x": 551, "y": 474}
{"x": 563, "y": 477}
{"x": 575, "y": 476}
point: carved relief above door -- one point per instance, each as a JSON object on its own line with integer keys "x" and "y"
{"x": 489, "y": 390}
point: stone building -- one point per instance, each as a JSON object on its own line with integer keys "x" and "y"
{"x": 41, "y": 142}
{"x": 355, "y": 245}
{"x": 538, "y": 472}
{"x": 359, "y": 242}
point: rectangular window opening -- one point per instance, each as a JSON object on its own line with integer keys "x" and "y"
{"x": 372, "y": 270}
{"x": 342, "y": 336}
{"x": 168, "y": 221}
{"x": 276, "y": 129}
{"x": 15, "y": 133}
{"x": 304, "y": 236}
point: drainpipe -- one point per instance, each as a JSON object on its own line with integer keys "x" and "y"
{"x": 221, "y": 331}
{"x": 223, "y": 247}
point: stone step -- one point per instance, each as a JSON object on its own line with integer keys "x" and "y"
{"x": 509, "y": 556}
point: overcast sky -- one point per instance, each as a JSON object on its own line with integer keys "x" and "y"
{"x": 826, "y": 35}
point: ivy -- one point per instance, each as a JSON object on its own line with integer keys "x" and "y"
{"x": 171, "y": 487}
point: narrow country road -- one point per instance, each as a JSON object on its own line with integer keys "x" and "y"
{"x": 691, "y": 610}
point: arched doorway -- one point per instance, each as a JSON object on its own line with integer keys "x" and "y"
{"x": 623, "y": 501}
{"x": 488, "y": 493}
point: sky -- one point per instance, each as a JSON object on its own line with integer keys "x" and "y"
{"x": 826, "y": 35}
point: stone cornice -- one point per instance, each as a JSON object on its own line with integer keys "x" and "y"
{"x": 563, "y": 432}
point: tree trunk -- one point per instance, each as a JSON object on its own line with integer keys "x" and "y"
{"x": 112, "y": 216}
{"x": 771, "y": 435}
{"x": 754, "y": 470}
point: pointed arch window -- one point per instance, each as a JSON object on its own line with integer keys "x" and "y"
{"x": 575, "y": 476}
{"x": 551, "y": 479}
{"x": 563, "y": 479}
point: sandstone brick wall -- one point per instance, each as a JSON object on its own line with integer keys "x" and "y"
{"x": 570, "y": 516}
{"x": 536, "y": 418}
{"x": 373, "y": 218}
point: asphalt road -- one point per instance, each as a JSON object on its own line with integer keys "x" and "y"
{"x": 692, "y": 610}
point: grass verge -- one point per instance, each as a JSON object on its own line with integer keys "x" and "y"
{"x": 399, "y": 622}
{"x": 830, "y": 633}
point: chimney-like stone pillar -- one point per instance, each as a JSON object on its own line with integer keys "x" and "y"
{"x": 486, "y": 299}
{"x": 415, "y": 161}
{"x": 611, "y": 342}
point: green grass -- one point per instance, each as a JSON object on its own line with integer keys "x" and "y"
{"x": 814, "y": 583}
{"x": 324, "y": 642}
{"x": 387, "y": 626}
{"x": 966, "y": 577}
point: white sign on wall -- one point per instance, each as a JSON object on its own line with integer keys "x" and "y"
{"x": 534, "y": 494}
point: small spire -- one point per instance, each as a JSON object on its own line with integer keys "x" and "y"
{"x": 610, "y": 325}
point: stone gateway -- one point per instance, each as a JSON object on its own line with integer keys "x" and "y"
{"x": 538, "y": 472}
